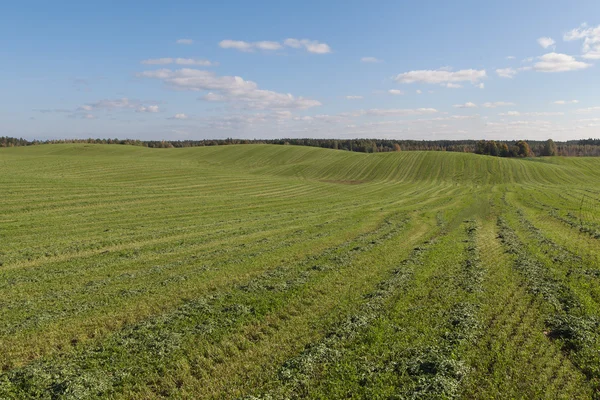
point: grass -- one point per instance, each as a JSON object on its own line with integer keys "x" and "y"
{"x": 262, "y": 271}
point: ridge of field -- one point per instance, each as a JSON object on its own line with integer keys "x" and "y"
{"x": 265, "y": 271}
{"x": 316, "y": 163}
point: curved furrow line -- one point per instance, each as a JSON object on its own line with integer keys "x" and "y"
{"x": 577, "y": 332}
{"x": 152, "y": 345}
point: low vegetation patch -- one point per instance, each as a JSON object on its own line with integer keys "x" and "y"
{"x": 263, "y": 271}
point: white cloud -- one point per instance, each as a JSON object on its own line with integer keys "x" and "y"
{"x": 498, "y": 104}
{"x": 148, "y": 109}
{"x": 454, "y": 117}
{"x": 110, "y": 104}
{"x": 395, "y": 92}
{"x": 370, "y": 60}
{"x": 528, "y": 59}
{"x": 158, "y": 61}
{"x": 589, "y": 120}
{"x": 591, "y": 40}
{"x": 466, "y": 105}
{"x": 511, "y": 57}
{"x": 561, "y": 102}
{"x": 544, "y": 114}
{"x": 312, "y": 46}
{"x": 228, "y": 89}
{"x": 179, "y": 116}
{"x": 510, "y": 114}
{"x": 185, "y": 41}
{"x": 546, "y": 42}
{"x": 405, "y": 124}
{"x": 236, "y": 44}
{"x": 506, "y": 72}
{"x": 418, "y": 91}
{"x": 267, "y": 45}
{"x": 193, "y": 61}
{"x": 441, "y": 76}
{"x": 354, "y": 97}
{"x": 530, "y": 114}
{"x": 556, "y": 62}
{"x": 529, "y": 124}
{"x": 52, "y": 110}
{"x": 239, "y": 121}
{"x": 89, "y": 116}
{"x": 330, "y": 119}
{"x": 398, "y": 112}
{"x": 123, "y": 103}
{"x": 593, "y": 54}
{"x": 179, "y": 61}
{"x": 452, "y": 85}
{"x": 587, "y": 110}
{"x": 481, "y": 85}
{"x": 210, "y": 96}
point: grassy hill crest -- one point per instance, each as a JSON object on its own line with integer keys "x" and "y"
{"x": 340, "y": 166}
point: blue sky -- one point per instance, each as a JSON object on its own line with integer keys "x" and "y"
{"x": 270, "y": 69}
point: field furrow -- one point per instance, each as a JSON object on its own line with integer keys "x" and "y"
{"x": 268, "y": 272}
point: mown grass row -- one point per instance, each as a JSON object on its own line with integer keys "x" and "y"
{"x": 292, "y": 272}
{"x": 346, "y": 363}
{"x": 512, "y": 358}
{"x": 97, "y": 293}
{"x": 295, "y": 375}
{"x": 31, "y": 240}
{"x": 570, "y": 219}
{"x": 568, "y": 322}
{"x": 564, "y": 209}
{"x": 574, "y": 265}
{"x": 120, "y": 362}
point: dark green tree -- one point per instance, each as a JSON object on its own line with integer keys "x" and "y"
{"x": 524, "y": 149}
{"x": 550, "y": 148}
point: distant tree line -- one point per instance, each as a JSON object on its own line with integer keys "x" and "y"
{"x": 13, "y": 142}
{"x": 491, "y": 148}
{"x": 500, "y": 148}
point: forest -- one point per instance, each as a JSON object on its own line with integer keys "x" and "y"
{"x": 501, "y": 148}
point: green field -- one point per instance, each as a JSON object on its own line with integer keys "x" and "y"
{"x": 272, "y": 272}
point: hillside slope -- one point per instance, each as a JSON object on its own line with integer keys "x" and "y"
{"x": 332, "y": 165}
{"x": 263, "y": 271}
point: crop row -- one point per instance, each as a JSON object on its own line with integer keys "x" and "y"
{"x": 296, "y": 374}
{"x": 150, "y": 347}
{"x": 577, "y": 332}
{"x": 426, "y": 366}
